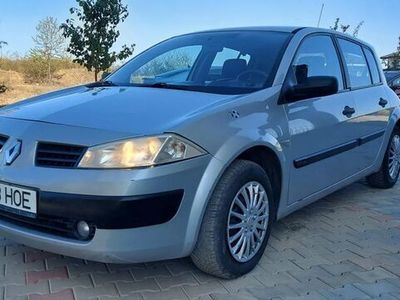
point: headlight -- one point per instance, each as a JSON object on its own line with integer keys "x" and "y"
{"x": 140, "y": 152}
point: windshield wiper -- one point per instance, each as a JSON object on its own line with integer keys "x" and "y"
{"x": 100, "y": 84}
{"x": 164, "y": 85}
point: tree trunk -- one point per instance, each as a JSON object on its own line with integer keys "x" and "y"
{"x": 96, "y": 75}
{"x": 49, "y": 70}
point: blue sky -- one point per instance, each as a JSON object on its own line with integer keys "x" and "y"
{"x": 152, "y": 21}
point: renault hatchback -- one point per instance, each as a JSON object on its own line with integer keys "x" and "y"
{"x": 197, "y": 146}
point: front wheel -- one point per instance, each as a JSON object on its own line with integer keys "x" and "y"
{"x": 237, "y": 222}
{"x": 388, "y": 174}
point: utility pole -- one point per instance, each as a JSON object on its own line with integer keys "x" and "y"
{"x": 320, "y": 14}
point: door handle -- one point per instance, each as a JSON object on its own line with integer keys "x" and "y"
{"x": 383, "y": 102}
{"x": 348, "y": 111}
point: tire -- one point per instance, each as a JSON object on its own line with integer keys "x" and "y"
{"x": 384, "y": 178}
{"x": 212, "y": 253}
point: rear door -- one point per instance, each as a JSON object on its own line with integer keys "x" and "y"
{"x": 370, "y": 96}
{"x": 322, "y": 130}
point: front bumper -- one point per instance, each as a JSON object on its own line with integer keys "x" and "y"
{"x": 109, "y": 246}
{"x": 152, "y": 225}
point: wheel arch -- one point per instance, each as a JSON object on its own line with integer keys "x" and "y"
{"x": 247, "y": 145}
{"x": 394, "y": 121}
{"x": 265, "y": 157}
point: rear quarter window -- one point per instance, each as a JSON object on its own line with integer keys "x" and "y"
{"x": 373, "y": 66}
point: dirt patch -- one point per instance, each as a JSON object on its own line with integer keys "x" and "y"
{"x": 73, "y": 77}
{"x": 18, "y": 89}
{"x": 11, "y": 77}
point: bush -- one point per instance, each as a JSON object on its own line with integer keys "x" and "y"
{"x": 35, "y": 68}
{"x": 3, "y": 88}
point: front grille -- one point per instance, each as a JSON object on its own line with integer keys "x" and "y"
{"x": 3, "y": 140}
{"x": 58, "y": 155}
{"x": 53, "y": 225}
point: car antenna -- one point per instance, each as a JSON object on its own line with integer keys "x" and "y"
{"x": 320, "y": 14}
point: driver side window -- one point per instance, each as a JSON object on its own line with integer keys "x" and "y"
{"x": 317, "y": 56}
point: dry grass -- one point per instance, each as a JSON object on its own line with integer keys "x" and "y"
{"x": 18, "y": 89}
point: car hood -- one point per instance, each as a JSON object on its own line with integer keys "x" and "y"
{"x": 136, "y": 110}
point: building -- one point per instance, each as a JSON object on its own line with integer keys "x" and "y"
{"x": 391, "y": 61}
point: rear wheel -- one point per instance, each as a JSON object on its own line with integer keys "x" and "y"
{"x": 389, "y": 172}
{"x": 237, "y": 222}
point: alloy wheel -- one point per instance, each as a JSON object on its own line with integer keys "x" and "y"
{"x": 394, "y": 157}
{"x": 248, "y": 221}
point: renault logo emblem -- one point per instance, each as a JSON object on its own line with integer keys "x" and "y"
{"x": 12, "y": 152}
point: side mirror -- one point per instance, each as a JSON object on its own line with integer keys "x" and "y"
{"x": 105, "y": 75}
{"x": 312, "y": 87}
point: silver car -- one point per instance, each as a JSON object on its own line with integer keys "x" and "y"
{"x": 197, "y": 146}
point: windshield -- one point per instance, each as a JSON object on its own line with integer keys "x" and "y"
{"x": 231, "y": 62}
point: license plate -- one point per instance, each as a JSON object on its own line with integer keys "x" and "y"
{"x": 18, "y": 200}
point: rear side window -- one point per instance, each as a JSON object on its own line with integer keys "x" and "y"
{"x": 356, "y": 64}
{"x": 373, "y": 67}
{"x": 317, "y": 57}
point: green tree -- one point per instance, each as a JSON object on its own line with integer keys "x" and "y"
{"x": 49, "y": 43}
{"x": 396, "y": 60}
{"x": 398, "y": 48}
{"x": 337, "y": 26}
{"x": 95, "y": 32}
{"x": 357, "y": 29}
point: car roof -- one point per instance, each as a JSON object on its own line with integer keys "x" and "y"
{"x": 287, "y": 29}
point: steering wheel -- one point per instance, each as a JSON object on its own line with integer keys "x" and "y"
{"x": 255, "y": 76}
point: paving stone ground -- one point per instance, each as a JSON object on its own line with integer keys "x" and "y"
{"x": 345, "y": 246}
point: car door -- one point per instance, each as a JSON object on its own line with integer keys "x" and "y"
{"x": 322, "y": 131}
{"x": 370, "y": 96}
